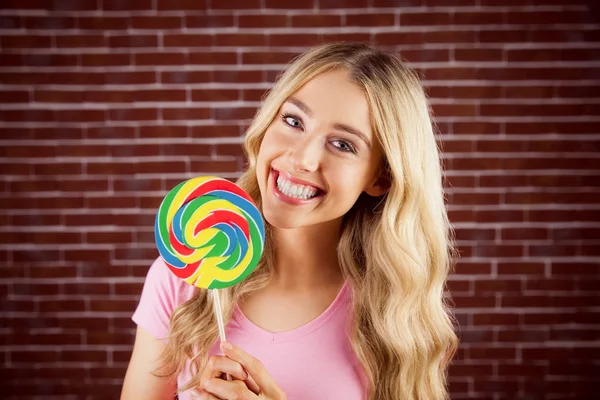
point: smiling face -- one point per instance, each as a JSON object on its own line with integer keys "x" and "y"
{"x": 319, "y": 154}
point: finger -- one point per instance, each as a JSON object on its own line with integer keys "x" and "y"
{"x": 252, "y": 385}
{"x": 219, "y": 365}
{"x": 202, "y": 395}
{"x": 228, "y": 389}
{"x": 254, "y": 367}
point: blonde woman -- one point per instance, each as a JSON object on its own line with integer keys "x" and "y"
{"x": 348, "y": 302}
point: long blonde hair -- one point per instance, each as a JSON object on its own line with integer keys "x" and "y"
{"x": 396, "y": 250}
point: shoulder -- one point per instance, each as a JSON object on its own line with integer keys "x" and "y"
{"x": 166, "y": 285}
{"x": 161, "y": 294}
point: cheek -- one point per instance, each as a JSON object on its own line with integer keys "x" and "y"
{"x": 350, "y": 179}
{"x": 273, "y": 144}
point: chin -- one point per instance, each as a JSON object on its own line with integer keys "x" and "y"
{"x": 279, "y": 221}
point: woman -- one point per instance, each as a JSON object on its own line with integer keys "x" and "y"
{"x": 348, "y": 301}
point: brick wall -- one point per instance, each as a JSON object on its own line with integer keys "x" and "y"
{"x": 107, "y": 104}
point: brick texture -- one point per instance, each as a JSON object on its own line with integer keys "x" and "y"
{"x": 105, "y": 105}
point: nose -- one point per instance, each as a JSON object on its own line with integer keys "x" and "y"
{"x": 305, "y": 156}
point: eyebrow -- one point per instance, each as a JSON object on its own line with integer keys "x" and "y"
{"x": 342, "y": 127}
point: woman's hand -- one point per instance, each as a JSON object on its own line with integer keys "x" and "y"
{"x": 254, "y": 380}
{"x": 218, "y": 367}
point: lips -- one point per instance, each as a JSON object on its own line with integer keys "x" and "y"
{"x": 292, "y": 200}
{"x": 295, "y": 180}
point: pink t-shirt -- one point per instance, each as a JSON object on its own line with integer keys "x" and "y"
{"x": 312, "y": 362}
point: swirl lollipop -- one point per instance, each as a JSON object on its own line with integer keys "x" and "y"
{"x": 209, "y": 232}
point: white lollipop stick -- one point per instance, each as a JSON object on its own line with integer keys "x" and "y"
{"x": 219, "y": 314}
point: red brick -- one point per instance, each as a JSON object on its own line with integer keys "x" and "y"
{"x": 473, "y": 268}
{"x": 34, "y": 356}
{"x": 326, "y": 4}
{"x": 212, "y": 58}
{"x": 156, "y": 22}
{"x": 132, "y": 114}
{"x": 35, "y": 255}
{"x": 214, "y": 95}
{"x": 129, "y": 288}
{"x": 131, "y": 40}
{"x": 101, "y": 23}
{"x": 87, "y": 255}
{"x": 474, "y": 302}
{"x": 467, "y": 128}
{"x": 475, "y": 234}
{"x": 98, "y": 356}
{"x": 521, "y": 268}
{"x": 119, "y": 132}
{"x": 474, "y": 198}
{"x": 225, "y": 114}
{"x": 454, "y": 110}
{"x": 478, "y": 54}
{"x": 170, "y": 58}
{"x": 229, "y": 150}
{"x": 109, "y": 338}
{"x": 129, "y": 78}
{"x": 110, "y": 202}
{"x": 491, "y": 353}
{"x": 303, "y": 39}
{"x": 324, "y": 21}
{"x": 25, "y": 41}
{"x": 459, "y": 286}
{"x": 62, "y": 306}
{"x": 553, "y": 250}
{"x": 110, "y": 168}
{"x": 498, "y": 285}
{"x": 427, "y": 18}
{"x": 296, "y": 4}
{"x": 187, "y": 40}
{"x": 52, "y": 272}
{"x": 246, "y": 76}
{"x": 161, "y": 167}
{"x": 187, "y": 77}
{"x": 179, "y": 5}
{"x": 470, "y": 369}
{"x": 81, "y": 41}
{"x": 496, "y": 319}
{"x": 185, "y": 113}
{"x": 575, "y": 268}
{"x": 345, "y": 37}
{"x": 209, "y": 21}
{"x": 235, "y": 4}
{"x": 264, "y": 20}
{"x": 113, "y": 305}
{"x": 116, "y": 5}
{"x": 239, "y": 40}
{"x": 114, "y": 372}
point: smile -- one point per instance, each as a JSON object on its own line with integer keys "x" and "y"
{"x": 292, "y": 190}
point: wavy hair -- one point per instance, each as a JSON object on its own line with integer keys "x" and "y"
{"x": 396, "y": 250}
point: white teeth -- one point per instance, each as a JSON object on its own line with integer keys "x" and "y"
{"x": 292, "y": 190}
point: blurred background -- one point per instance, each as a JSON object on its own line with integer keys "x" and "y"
{"x": 105, "y": 105}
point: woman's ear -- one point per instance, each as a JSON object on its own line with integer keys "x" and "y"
{"x": 380, "y": 187}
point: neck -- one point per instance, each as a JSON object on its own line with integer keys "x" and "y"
{"x": 307, "y": 256}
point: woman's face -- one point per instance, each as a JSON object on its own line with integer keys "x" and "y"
{"x": 319, "y": 154}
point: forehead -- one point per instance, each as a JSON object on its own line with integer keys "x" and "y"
{"x": 333, "y": 98}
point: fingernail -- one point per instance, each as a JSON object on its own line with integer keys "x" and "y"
{"x": 226, "y": 345}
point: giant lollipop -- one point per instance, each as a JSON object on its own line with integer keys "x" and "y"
{"x": 210, "y": 233}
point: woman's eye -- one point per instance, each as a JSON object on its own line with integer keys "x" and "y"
{"x": 292, "y": 121}
{"x": 344, "y": 146}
